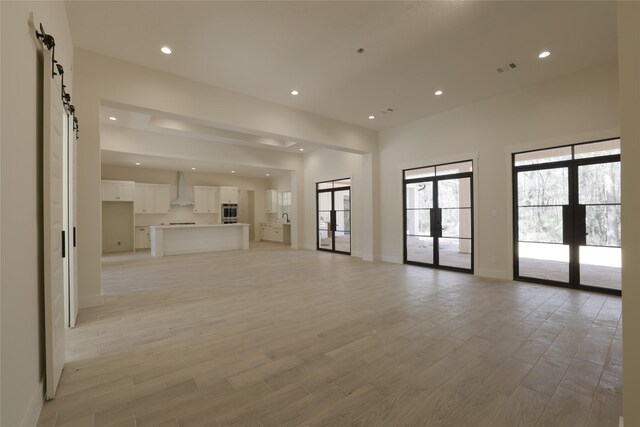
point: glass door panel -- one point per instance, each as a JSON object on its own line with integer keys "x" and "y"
{"x": 418, "y": 212}
{"x": 543, "y": 199}
{"x": 420, "y": 249}
{"x": 325, "y": 228}
{"x": 342, "y": 218}
{"x": 599, "y": 227}
{"x": 454, "y": 252}
{"x": 454, "y": 212}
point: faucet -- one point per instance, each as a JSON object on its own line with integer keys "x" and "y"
{"x": 287, "y": 217}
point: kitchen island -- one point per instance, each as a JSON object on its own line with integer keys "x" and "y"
{"x": 197, "y": 238}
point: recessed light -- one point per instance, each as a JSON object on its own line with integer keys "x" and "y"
{"x": 302, "y": 149}
{"x": 233, "y": 171}
{"x": 372, "y": 117}
{"x": 112, "y": 118}
{"x": 438, "y": 93}
{"x": 166, "y": 50}
{"x": 295, "y": 92}
{"x": 268, "y": 175}
{"x": 138, "y": 163}
{"x": 193, "y": 169}
{"x": 544, "y": 54}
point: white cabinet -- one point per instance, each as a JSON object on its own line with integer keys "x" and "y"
{"x": 152, "y": 198}
{"x": 117, "y": 191}
{"x": 271, "y": 201}
{"x": 143, "y": 239}
{"x": 271, "y": 232}
{"x": 228, "y": 194}
{"x": 162, "y": 194}
{"x": 206, "y": 199}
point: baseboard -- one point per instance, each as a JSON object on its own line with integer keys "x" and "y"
{"x": 90, "y": 301}
{"x": 490, "y": 273}
{"x": 35, "y": 407}
{"x": 395, "y": 259}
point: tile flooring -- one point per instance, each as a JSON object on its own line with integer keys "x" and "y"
{"x": 280, "y": 337}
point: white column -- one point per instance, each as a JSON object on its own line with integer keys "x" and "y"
{"x": 629, "y": 73}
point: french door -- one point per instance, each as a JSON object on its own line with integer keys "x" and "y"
{"x": 333, "y": 199}
{"x": 438, "y": 216}
{"x": 567, "y": 228}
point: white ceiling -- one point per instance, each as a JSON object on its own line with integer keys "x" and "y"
{"x": 266, "y": 49}
{"x": 160, "y": 122}
{"x": 156, "y": 122}
{"x": 118, "y": 158}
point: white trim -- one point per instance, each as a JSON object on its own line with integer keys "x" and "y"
{"x": 394, "y": 259}
{"x": 435, "y": 161}
{"x": 621, "y": 423}
{"x": 91, "y": 301}
{"x": 563, "y": 140}
{"x": 35, "y": 406}
{"x": 492, "y": 273}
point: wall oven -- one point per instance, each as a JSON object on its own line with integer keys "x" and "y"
{"x": 229, "y": 213}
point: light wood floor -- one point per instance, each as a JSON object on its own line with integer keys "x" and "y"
{"x": 279, "y": 337}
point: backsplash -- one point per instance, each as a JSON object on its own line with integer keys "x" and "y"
{"x": 177, "y": 214}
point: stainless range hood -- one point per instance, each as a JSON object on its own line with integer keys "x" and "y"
{"x": 182, "y": 199}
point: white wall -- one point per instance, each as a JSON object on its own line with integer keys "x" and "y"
{"x": 22, "y": 364}
{"x": 570, "y": 109}
{"x": 117, "y": 227}
{"x": 628, "y": 48}
{"x": 280, "y": 183}
{"x": 325, "y": 165}
{"x": 99, "y": 79}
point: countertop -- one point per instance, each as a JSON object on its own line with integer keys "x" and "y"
{"x": 240, "y": 224}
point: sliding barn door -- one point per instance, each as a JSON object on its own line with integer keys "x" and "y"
{"x": 54, "y": 238}
{"x": 73, "y": 214}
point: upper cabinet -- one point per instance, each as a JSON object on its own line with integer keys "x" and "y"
{"x": 271, "y": 201}
{"x": 117, "y": 191}
{"x": 152, "y": 198}
{"x": 229, "y": 195}
{"x": 206, "y": 199}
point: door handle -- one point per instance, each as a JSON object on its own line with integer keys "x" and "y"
{"x": 438, "y": 222}
{"x": 433, "y": 222}
{"x": 64, "y": 245}
{"x": 74, "y": 237}
{"x": 567, "y": 214}
{"x": 581, "y": 225}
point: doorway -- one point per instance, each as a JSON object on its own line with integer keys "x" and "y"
{"x": 567, "y": 227}
{"x": 438, "y": 216}
{"x": 333, "y": 201}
